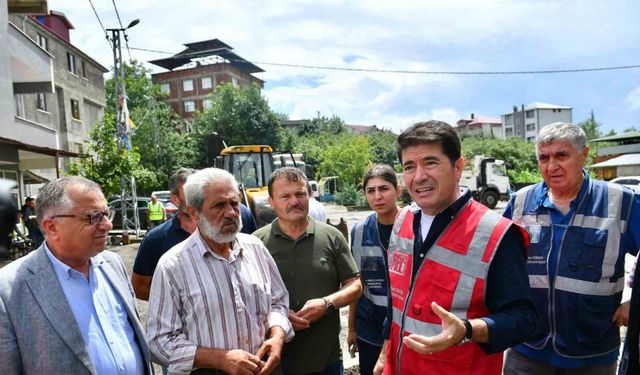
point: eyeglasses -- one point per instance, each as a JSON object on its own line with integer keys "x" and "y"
{"x": 94, "y": 218}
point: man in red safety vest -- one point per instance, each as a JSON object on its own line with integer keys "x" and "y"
{"x": 459, "y": 289}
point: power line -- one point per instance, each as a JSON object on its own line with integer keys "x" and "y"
{"x": 117, "y": 14}
{"x": 126, "y": 39}
{"x": 426, "y": 72}
{"x": 100, "y": 22}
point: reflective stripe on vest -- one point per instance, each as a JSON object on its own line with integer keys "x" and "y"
{"x": 470, "y": 266}
{"x": 578, "y": 286}
{"x": 371, "y": 251}
{"x": 612, "y": 223}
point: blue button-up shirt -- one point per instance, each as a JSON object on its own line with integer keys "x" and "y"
{"x": 102, "y": 318}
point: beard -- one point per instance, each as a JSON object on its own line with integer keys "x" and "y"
{"x": 215, "y": 233}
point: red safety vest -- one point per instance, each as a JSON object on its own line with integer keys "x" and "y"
{"x": 453, "y": 275}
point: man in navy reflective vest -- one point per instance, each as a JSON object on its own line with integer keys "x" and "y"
{"x": 580, "y": 230}
{"x": 459, "y": 288}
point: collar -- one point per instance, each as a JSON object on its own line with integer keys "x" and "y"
{"x": 542, "y": 198}
{"x": 310, "y": 231}
{"x": 64, "y": 270}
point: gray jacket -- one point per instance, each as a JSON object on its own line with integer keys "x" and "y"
{"x": 38, "y": 331}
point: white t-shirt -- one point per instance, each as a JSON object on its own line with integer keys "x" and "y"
{"x": 316, "y": 210}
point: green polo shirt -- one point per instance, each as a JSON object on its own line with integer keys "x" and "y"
{"x": 313, "y": 266}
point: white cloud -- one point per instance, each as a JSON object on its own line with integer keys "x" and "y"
{"x": 633, "y": 99}
{"x": 422, "y": 35}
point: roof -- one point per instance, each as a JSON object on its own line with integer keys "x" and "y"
{"x": 622, "y": 160}
{"x": 39, "y": 149}
{"x": 618, "y": 137}
{"x": 361, "y": 128}
{"x": 478, "y": 120}
{"x": 539, "y": 105}
{"x": 206, "y": 48}
{"x": 62, "y": 18}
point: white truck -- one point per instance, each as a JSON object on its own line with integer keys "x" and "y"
{"x": 487, "y": 179}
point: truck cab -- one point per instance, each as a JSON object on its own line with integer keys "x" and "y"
{"x": 487, "y": 179}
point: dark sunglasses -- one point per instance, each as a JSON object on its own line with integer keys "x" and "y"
{"x": 94, "y": 218}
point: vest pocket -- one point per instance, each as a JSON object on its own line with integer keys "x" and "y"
{"x": 594, "y": 319}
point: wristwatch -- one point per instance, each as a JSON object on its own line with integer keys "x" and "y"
{"x": 329, "y": 308}
{"x": 468, "y": 335}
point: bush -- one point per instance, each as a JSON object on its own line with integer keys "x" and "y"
{"x": 349, "y": 196}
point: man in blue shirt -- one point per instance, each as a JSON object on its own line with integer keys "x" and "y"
{"x": 170, "y": 233}
{"x": 67, "y": 307}
{"x": 580, "y": 229}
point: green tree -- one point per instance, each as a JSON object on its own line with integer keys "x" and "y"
{"x": 156, "y": 138}
{"x": 240, "y": 116}
{"x": 347, "y": 158}
{"x": 383, "y": 145}
{"x": 520, "y": 154}
{"x": 591, "y": 127}
{"x": 110, "y": 163}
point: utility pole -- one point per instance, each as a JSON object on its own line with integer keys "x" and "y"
{"x": 128, "y": 195}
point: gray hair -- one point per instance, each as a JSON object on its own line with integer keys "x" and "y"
{"x": 198, "y": 182}
{"x": 55, "y": 195}
{"x": 179, "y": 177}
{"x": 562, "y": 131}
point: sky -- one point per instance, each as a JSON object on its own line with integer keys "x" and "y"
{"x": 418, "y": 36}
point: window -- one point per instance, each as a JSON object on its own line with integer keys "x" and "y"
{"x": 531, "y": 127}
{"x": 531, "y": 139}
{"x": 75, "y": 109}
{"x": 206, "y": 103}
{"x": 41, "y": 102}
{"x": 71, "y": 63}
{"x": 206, "y": 82}
{"x": 84, "y": 69}
{"x": 234, "y": 81}
{"x": 529, "y": 114}
{"x": 187, "y": 85}
{"x": 19, "y": 105}
{"x": 165, "y": 88}
{"x": 508, "y": 132}
{"x": 43, "y": 42}
{"x": 189, "y": 106}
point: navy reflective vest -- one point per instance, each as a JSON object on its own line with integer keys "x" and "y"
{"x": 576, "y": 307}
{"x": 371, "y": 259}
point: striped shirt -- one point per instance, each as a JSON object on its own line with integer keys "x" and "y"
{"x": 200, "y": 299}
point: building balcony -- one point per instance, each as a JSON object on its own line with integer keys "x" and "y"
{"x": 31, "y": 66}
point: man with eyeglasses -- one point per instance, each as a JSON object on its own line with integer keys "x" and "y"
{"x": 458, "y": 285}
{"x": 68, "y": 307}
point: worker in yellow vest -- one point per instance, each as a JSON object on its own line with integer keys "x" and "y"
{"x": 155, "y": 213}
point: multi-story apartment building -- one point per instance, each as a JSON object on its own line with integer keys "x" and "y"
{"x": 526, "y": 122}
{"x": 195, "y": 72}
{"x": 54, "y": 97}
{"x": 479, "y": 126}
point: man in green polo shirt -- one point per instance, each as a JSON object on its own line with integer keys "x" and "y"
{"x": 318, "y": 270}
{"x": 155, "y": 212}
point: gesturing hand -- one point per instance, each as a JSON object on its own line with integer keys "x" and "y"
{"x": 453, "y": 330}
